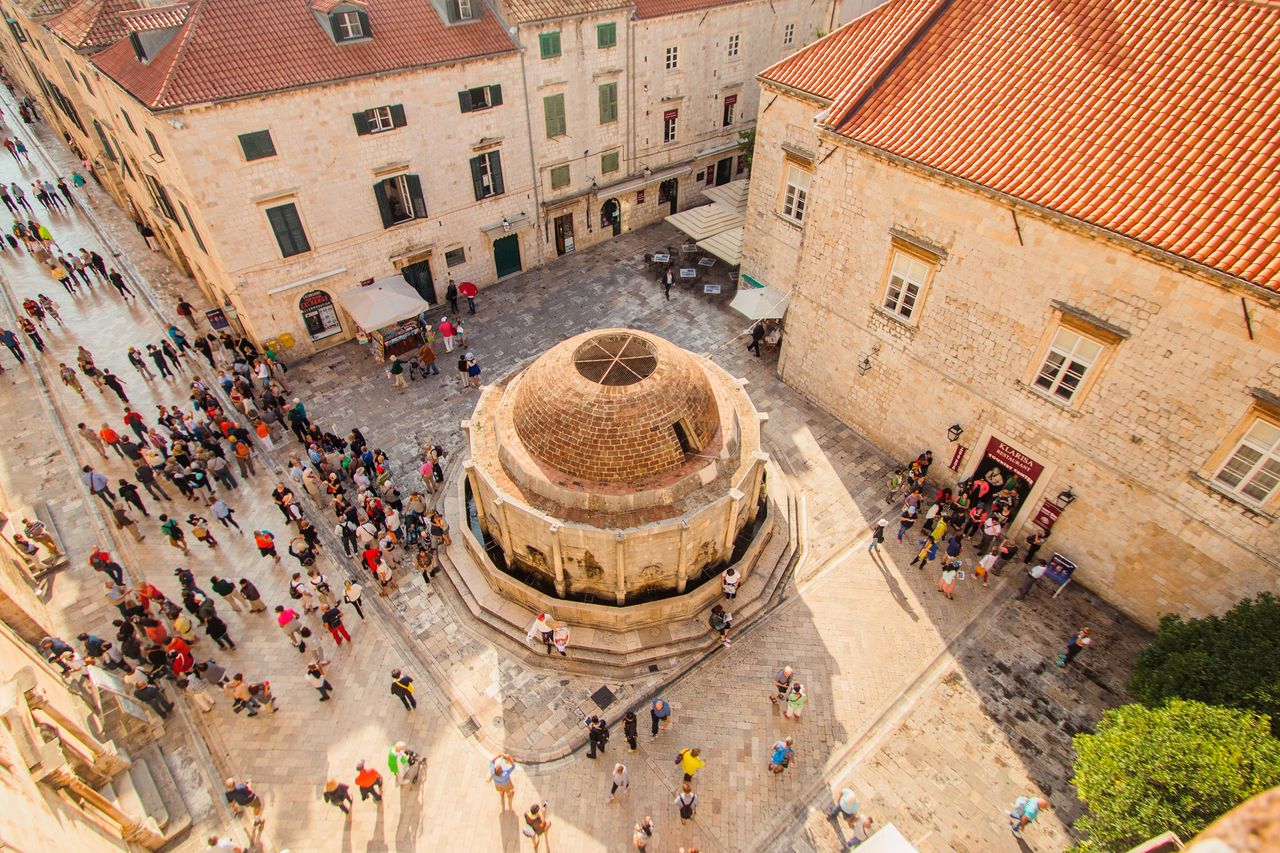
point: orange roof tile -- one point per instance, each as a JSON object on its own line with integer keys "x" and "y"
{"x": 92, "y": 24}
{"x": 156, "y": 18}
{"x": 230, "y": 49}
{"x": 855, "y": 52}
{"x": 528, "y": 11}
{"x": 1155, "y": 119}
{"x": 657, "y": 8}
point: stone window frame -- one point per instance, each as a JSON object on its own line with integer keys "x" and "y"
{"x": 800, "y": 203}
{"x": 788, "y": 35}
{"x": 931, "y": 260}
{"x": 1086, "y": 325}
{"x": 671, "y": 57}
{"x": 734, "y": 45}
{"x": 1264, "y": 408}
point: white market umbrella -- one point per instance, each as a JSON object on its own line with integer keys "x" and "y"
{"x": 760, "y": 303}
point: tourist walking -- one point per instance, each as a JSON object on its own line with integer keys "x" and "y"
{"x": 1036, "y": 572}
{"x": 337, "y": 794}
{"x": 690, "y": 762}
{"x": 797, "y": 698}
{"x": 597, "y": 735}
{"x": 537, "y": 824}
{"x": 501, "y": 766}
{"x": 369, "y": 781}
{"x": 621, "y": 782}
{"x": 402, "y": 689}
{"x": 1079, "y": 640}
{"x": 783, "y": 754}
{"x": 660, "y": 716}
{"x": 947, "y": 580}
{"x": 1025, "y": 811}
{"x": 315, "y": 677}
{"x": 687, "y": 803}
{"x": 629, "y": 729}
{"x": 240, "y": 796}
{"x": 331, "y": 616}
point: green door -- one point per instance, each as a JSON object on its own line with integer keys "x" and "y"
{"x": 506, "y": 255}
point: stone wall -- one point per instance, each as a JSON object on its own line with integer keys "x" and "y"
{"x": 1138, "y": 445}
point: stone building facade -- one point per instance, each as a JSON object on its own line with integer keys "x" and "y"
{"x": 1108, "y": 342}
{"x": 500, "y": 135}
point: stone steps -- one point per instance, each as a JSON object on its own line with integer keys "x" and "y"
{"x": 148, "y": 792}
{"x": 626, "y": 654}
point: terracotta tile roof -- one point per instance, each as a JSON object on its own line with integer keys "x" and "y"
{"x": 240, "y": 48}
{"x": 855, "y": 52}
{"x": 657, "y": 8}
{"x": 156, "y": 18}
{"x": 528, "y": 11}
{"x": 1155, "y": 119}
{"x": 92, "y": 24}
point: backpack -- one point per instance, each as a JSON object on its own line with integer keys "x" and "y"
{"x": 686, "y": 808}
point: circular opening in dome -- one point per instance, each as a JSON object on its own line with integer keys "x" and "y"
{"x": 615, "y": 359}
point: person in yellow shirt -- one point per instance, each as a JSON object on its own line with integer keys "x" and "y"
{"x": 690, "y": 763}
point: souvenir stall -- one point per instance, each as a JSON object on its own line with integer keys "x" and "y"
{"x": 386, "y": 316}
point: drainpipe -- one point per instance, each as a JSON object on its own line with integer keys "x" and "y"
{"x": 539, "y": 220}
{"x": 631, "y": 94}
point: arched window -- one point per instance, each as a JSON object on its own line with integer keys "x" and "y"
{"x": 319, "y": 315}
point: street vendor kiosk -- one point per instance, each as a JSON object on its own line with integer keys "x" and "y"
{"x": 386, "y": 315}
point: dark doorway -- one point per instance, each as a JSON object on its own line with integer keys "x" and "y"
{"x": 669, "y": 192}
{"x": 682, "y": 437}
{"x": 506, "y": 255}
{"x": 564, "y": 234}
{"x": 419, "y": 277}
{"x": 724, "y": 171}
{"x": 611, "y": 216}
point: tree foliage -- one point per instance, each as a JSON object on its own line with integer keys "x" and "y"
{"x": 1178, "y": 767}
{"x": 1227, "y": 660}
{"x": 747, "y": 146}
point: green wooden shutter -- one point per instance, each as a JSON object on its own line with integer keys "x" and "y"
{"x": 415, "y": 196}
{"x": 495, "y": 96}
{"x": 288, "y": 230}
{"x": 397, "y": 115}
{"x": 606, "y": 35}
{"x": 364, "y": 25}
{"x": 553, "y": 108}
{"x": 477, "y": 181}
{"x": 464, "y": 100}
{"x": 362, "y": 122}
{"x": 495, "y": 172}
{"x": 549, "y": 45}
{"x": 608, "y": 103}
{"x": 333, "y": 25}
{"x": 384, "y": 203}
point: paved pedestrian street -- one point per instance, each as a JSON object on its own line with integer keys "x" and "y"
{"x": 936, "y": 712}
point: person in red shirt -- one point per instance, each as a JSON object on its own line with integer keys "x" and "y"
{"x": 372, "y": 557}
{"x": 111, "y": 437}
{"x": 177, "y": 644}
{"x": 369, "y": 781}
{"x": 181, "y": 663}
{"x": 134, "y": 421}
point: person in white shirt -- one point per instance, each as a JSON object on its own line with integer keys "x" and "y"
{"x": 621, "y": 782}
{"x": 1037, "y": 572}
{"x": 729, "y": 580}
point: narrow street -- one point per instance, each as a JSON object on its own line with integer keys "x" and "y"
{"x": 872, "y": 639}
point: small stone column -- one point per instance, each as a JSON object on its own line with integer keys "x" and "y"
{"x": 757, "y": 476}
{"x": 735, "y": 506}
{"x": 619, "y": 546}
{"x": 500, "y": 506}
{"x": 682, "y": 571}
{"x": 557, "y": 560}
{"x": 474, "y": 480}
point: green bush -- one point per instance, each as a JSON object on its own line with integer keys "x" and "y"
{"x": 1178, "y": 767}
{"x": 1227, "y": 660}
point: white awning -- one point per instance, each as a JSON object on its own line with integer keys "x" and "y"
{"x": 732, "y": 194}
{"x": 759, "y": 303}
{"x": 386, "y": 301}
{"x": 703, "y": 222}
{"x": 887, "y": 839}
{"x": 727, "y": 246}
{"x": 629, "y": 184}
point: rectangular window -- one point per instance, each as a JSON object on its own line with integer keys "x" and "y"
{"x": 480, "y": 98}
{"x": 735, "y": 41}
{"x": 400, "y": 199}
{"x": 606, "y": 35}
{"x": 730, "y": 110}
{"x": 128, "y": 122}
{"x": 287, "y": 227}
{"x": 906, "y": 281}
{"x": 155, "y": 146}
{"x": 1253, "y": 469}
{"x": 257, "y": 145}
{"x": 609, "y": 162}
{"x": 1065, "y": 364}
{"x": 788, "y": 34}
{"x": 673, "y": 58}
{"x": 186, "y": 214}
{"x": 349, "y": 25}
{"x": 669, "y": 125}
{"x": 795, "y": 197}
{"x": 161, "y": 197}
{"x": 486, "y": 175}
{"x": 608, "y": 103}
{"x": 455, "y": 257}
{"x": 549, "y": 45}
{"x": 379, "y": 119}
{"x": 553, "y": 111}
{"x": 559, "y": 177}
{"x": 461, "y": 10}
